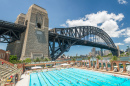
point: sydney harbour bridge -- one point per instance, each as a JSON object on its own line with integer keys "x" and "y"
{"x": 59, "y": 39}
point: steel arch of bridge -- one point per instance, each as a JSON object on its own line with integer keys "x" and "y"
{"x": 67, "y": 37}
{"x": 10, "y": 32}
{"x": 64, "y": 37}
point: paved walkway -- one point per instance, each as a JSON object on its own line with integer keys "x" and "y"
{"x": 24, "y": 81}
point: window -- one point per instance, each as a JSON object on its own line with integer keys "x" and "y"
{"x": 26, "y": 22}
{"x": 38, "y": 25}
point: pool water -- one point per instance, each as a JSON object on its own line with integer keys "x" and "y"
{"x": 76, "y": 77}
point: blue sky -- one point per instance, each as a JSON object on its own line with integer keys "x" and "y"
{"x": 110, "y": 15}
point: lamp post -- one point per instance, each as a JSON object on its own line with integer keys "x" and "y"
{"x": 128, "y": 49}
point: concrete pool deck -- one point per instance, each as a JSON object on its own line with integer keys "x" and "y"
{"x": 24, "y": 80}
{"x": 125, "y": 75}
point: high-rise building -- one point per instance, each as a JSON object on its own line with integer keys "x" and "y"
{"x": 106, "y": 52}
{"x": 93, "y": 51}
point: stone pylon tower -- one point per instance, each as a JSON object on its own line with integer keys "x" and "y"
{"x": 34, "y": 41}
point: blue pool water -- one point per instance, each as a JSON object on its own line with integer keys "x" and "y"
{"x": 76, "y": 77}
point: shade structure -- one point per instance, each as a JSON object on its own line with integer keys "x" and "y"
{"x": 65, "y": 64}
{"x": 116, "y": 66}
{"x": 36, "y": 67}
{"x": 87, "y": 64}
{"x": 128, "y": 68}
{"x": 71, "y": 63}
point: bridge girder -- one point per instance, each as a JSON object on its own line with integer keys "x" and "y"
{"x": 10, "y": 32}
{"x": 75, "y": 35}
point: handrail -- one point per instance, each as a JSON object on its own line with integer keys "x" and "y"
{"x": 5, "y": 77}
{"x": 7, "y": 62}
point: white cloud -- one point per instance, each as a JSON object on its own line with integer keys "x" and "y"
{"x": 127, "y": 40}
{"x": 98, "y": 39}
{"x": 63, "y": 25}
{"x": 111, "y": 28}
{"x": 102, "y": 19}
{"x": 128, "y": 31}
{"x": 122, "y": 2}
{"x": 127, "y": 34}
{"x": 119, "y": 44}
{"x": 122, "y": 24}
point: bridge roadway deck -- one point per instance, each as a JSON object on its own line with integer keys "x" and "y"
{"x": 6, "y": 26}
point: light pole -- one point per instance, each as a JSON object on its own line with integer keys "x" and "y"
{"x": 128, "y": 49}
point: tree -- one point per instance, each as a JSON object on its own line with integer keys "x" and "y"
{"x": 99, "y": 57}
{"x": 73, "y": 59}
{"x": 115, "y": 58}
{"x": 27, "y": 60}
{"x": 13, "y": 59}
{"x": 37, "y": 59}
{"x": 83, "y": 58}
{"x": 46, "y": 59}
{"x": 89, "y": 58}
{"x": 127, "y": 54}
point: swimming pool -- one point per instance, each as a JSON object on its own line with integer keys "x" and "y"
{"x": 76, "y": 77}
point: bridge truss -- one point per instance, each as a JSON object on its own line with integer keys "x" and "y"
{"x": 10, "y": 32}
{"x": 82, "y": 35}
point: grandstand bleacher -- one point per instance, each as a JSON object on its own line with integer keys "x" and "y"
{"x": 6, "y": 70}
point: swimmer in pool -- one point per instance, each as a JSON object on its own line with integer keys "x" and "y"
{"x": 77, "y": 81}
{"x": 34, "y": 84}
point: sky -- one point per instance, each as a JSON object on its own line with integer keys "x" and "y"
{"x": 110, "y": 15}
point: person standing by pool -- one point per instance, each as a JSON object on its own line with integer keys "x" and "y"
{"x": 2, "y": 63}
